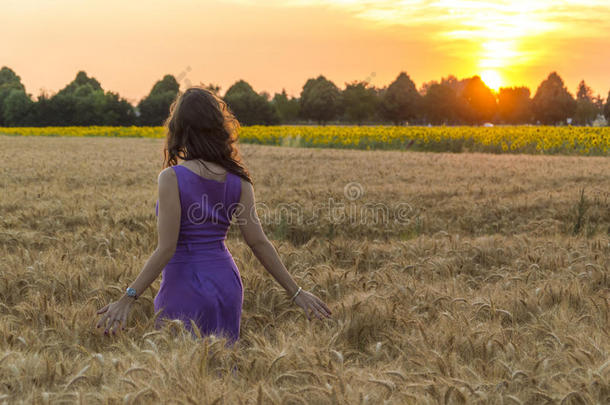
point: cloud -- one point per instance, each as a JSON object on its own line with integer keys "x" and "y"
{"x": 497, "y": 33}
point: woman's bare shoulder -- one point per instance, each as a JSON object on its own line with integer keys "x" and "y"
{"x": 247, "y": 190}
{"x": 167, "y": 176}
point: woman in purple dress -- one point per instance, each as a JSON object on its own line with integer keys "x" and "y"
{"x": 197, "y": 200}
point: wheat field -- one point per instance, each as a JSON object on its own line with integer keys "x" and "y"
{"x": 475, "y": 278}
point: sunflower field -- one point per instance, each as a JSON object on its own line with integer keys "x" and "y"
{"x": 499, "y": 139}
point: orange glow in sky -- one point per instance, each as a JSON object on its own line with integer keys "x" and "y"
{"x": 275, "y": 44}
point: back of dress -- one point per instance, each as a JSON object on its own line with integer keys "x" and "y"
{"x": 201, "y": 281}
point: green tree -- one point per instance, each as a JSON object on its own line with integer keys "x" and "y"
{"x": 515, "y": 105}
{"x": 88, "y": 103}
{"x": 607, "y": 107}
{"x": 359, "y": 101}
{"x": 401, "y": 101}
{"x": 287, "y": 109}
{"x": 10, "y": 86}
{"x": 9, "y": 77}
{"x": 79, "y": 103}
{"x": 82, "y": 102}
{"x": 553, "y": 102}
{"x": 117, "y": 111}
{"x": 249, "y": 107}
{"x": 599, "y": 102}
{"x": 586, "y": 109}
{"x": 81, "y": 80}
{"x": 154, "y": 108}
{"x": 440, "y": 103}
{"x": 320, "y": 100}
{"x": 478, "y": 101}
{"x": 17, "y": 108}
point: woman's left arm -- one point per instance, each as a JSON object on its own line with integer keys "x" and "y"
{"x": 168, "y": 228}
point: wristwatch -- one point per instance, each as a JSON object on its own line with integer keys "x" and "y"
{"x": 131, "y": 292}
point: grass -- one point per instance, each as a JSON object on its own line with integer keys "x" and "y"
{"x": 470, "y": 286}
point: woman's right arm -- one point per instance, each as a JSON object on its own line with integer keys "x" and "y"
{"x": 255, "y": 238}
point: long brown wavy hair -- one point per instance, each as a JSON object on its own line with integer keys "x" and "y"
{"x": 201, "y": 126}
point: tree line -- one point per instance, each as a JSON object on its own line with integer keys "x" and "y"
{"x": 450, "y": 101}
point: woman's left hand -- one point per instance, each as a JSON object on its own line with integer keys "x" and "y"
{"x": 115, "y": 314}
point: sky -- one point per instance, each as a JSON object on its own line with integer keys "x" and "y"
{"x": 278, "y": 44}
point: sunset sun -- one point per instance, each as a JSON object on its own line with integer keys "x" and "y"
{"x": 492, "y": 79}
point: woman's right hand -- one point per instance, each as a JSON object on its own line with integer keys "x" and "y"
{"x": 312, "y": 305}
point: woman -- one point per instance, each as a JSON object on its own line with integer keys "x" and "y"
{"x": 197, "y": 200}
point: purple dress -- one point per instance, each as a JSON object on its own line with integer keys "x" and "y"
{"x": 201, "y": 281}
